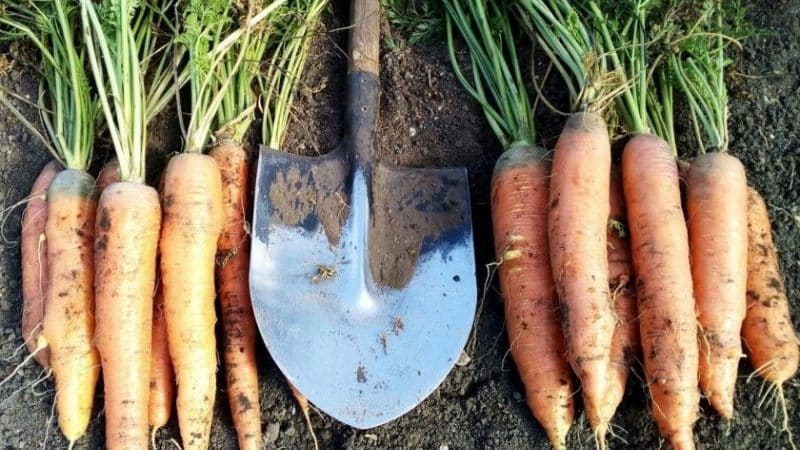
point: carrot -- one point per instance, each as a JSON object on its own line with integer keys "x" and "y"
{"x": 577, "y": 227}
{"x": 128, "y": 222}
{"x": 33, "y": 248}
{"x": 519, "y": 199}
{"x": 667, "y": 323}
{"x": 770, "y": 339}
{"x": 162, "y": 377}
{"x": 625, "y": 346}
{"x": 108, "y": 174}
{"x": 69, "y": 311}
{"x": 238, "y": 322}
{"x": 716, "y": 196}
{"x": 193, "y": 220}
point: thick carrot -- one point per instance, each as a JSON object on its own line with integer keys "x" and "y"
{"x": 33, "y": 249}
{"x": 193, "y": 218}
{"x": 69, "y": 311}
{"x": 769, "y": 336}
{"x": 108, "y": 174}
{"x": 625, "y": 346}
{"x": 577, "y": 227}
{"x": 667, "y": 321}
{"x": 716, "y": 199}
{"x": 128, "y": 224}
{"x": 520, "y": 194}
{"x": 162, "y": 377}
{"x": 238, "y": 322}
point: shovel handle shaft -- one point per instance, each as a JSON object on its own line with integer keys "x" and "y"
{"x": 365, "y": 36}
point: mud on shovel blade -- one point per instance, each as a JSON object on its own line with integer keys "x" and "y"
{"x": 362, "y": 274}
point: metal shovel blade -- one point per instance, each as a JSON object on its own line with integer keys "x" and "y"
{"x": 362, "y": 275}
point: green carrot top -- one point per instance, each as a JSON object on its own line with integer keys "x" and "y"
{"x": 496, "y": 81}
{"x": 67, "y": 106}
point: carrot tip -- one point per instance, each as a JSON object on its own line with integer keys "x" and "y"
{"x": 682, "y": 439}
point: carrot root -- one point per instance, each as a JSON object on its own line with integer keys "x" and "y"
{"x": 193, "y": 218}
{"x": 33, "y": 248}
{"x": 128, "y": 223}
{"x": 577, "y": 228}
{"x": 519, "y": 214}
{"x": 667, "y": 321}
{"x": 69, "y": 311}
{"x": 238, "y": 322}
{"x": 769, "y": 336}
{"x": 716, "y": 202}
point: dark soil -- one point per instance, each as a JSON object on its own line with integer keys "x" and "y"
{"x": 428, "y": 121}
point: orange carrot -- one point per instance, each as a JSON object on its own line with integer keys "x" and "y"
{"x": 667, "y": 321}
{"x": 238, "y": 322}
{"x": 625, "y": 346}
{"x": 162, "y": 377}
{"x": 33, "y": 249}
{"x": 577, "y": 227}
{"x": 770, "y": 338}
{"x": 108, "y": 174}
{"x": 193, "y": 218}
{"x": 716, "y": 199}
{"x": 128, "y": 222}
{"x": 519, "y": 199}
{"x": 69, "y": 311}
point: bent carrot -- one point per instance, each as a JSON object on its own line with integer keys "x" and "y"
{"x": 716, "y": 199}
{"x": 520, "y": 195}
{"x": 577, "y": 227}
{"x": 128, "y": 222}
{"x": 769, "y": 336}
{"x": 660, "y": 249}
{"x": 193, "y": 218}
{"x": 625, "y": 345}
{"x": 69, "y": 311}
{"x": 238, "y": 322}
{"x": 33, "y": 255}
{"x": 162, "y": 377}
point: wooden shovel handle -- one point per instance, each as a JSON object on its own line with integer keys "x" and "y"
{"x": 365, "y": 17}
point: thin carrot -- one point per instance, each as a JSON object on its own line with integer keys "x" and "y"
{"x": 238, "y": 323}
{"x": 769, "y": 336}
{"x": 162, "y": 377}
{"x": 520, "y": 195}
{"x": 664, "y": 293}
{"x": 625, "y": 346}
{"x": 716, "y": 199}
{"x": 193, "y": 220}
{"x": 33, "y": 248}
{"x": 577, "y": 229}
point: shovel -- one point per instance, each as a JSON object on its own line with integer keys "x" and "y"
{"x": 362, "y": 273}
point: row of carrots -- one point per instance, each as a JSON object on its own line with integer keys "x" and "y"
{"x": 601, "y": 262}
{"x": 119, "y": 276}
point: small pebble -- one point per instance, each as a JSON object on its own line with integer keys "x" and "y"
{"x": 412, "y": 131}
{"x": 290, "y": 431}
{"x": 273, "y": 430}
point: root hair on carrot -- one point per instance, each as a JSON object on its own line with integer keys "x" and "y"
{"x": 25, "y": 361}
{"x": 6, "y": 213}
{"x": 491, "y": 271}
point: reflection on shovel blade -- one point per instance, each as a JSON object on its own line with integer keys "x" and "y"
{"x": 364, "y": 297}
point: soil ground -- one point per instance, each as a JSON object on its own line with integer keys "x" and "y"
{"x": 427, "y": 120}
